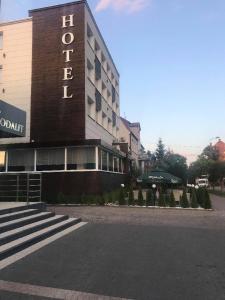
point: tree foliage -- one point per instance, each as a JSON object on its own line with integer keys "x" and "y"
{"x": 140, "y": 197}
{"x": 170, "y": 162}
{"x": 160, "y": 151}
{"x": 210, "y": 152}
{"x": 184, "y": 200}
{"x": 194, "y": 202}
{"x": 208, "y": 163}
{"x": 207, "y": 201}
{"x": 176, "y": 165}
{"x": 172, "y": 202}
{"x": 131, "y": 196}
{"x": 121, "y": 197}
{"x": 150, "y": 198}
{"x": 161, "y": 201}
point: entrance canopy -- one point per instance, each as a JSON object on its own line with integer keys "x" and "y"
{"x": 12, "y": 121}
{"x": 159, "y": 177}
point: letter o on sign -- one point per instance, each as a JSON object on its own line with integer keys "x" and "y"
{"x": 67, "y": 38}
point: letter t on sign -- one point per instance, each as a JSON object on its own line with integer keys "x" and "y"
{"x": 67, "y": 19}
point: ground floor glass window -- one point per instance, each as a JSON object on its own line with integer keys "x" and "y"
{"x": 21, "y": 160}
{"x": 50, "y": 159}
{"x": 81, "y": 158}
{"x": 2, "y": 161}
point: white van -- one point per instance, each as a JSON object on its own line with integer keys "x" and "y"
{"x": 202, "y": 182}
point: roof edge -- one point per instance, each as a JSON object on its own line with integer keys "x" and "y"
{"x": 91, "y": 14}
{"x": 16, "y": 21}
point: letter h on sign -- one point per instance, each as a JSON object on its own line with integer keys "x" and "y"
{"x": 67, "y": 39}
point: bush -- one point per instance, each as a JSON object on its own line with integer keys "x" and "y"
{"x": 184, "y": 200}
{"x": 207, "y": 202}
{"x": 161, "y": 202}
{"x": 130, "y": 196}
{"x": 99, "y": 200}
{"x": 106, "y": 198}
{"x": 194, "y": 202}
{"x": 201, "y": 196}
{"x": 114, "y": 195}
{"x": 121, "y": 197}
{"x": 150, "y": 198}
{"x": 172, "y": 202}
{"x": 140, "y": 201}
{"x": 167, "y": 199}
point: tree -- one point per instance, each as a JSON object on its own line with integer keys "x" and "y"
{"x": 172, "y": 202}
{"x": 131, "y": 196}
{"x": 200, "y": 196}
{"x": 99, "y": 200}
{"x": 167, "y": 199}
{"x": 161, "y": 201}
{"x": 160, "y": 151}
{"x": 198, "y": 168}
{"x": 140, "y": 197}
{"x": 176, "y": 165}
{"x": 121, "y": 197}
{"x": 150, "y": 198}
{"x": 184, "y": 200}
{"x": 194, "y": 202}
{"x": 217, "y": 173}
{"x": 210, "y": 152}
{"x": 207, "y": 202}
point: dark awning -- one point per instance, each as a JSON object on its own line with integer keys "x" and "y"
{"x": 160, "y": 177}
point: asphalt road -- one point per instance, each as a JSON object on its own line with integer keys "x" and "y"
{"x": 155, "y": 260}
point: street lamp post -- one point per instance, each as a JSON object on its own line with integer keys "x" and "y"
{"x": 154, "y": 193}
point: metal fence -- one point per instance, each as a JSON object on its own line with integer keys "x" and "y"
{"x": 23, "y": 187}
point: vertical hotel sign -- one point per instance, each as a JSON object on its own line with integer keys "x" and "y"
{"x": 68, "y": 42}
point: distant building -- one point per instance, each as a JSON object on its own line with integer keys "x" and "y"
{"x": 220, "y": 146}
{"x": 144, "y": 161}
{"x": 130, "y": 135}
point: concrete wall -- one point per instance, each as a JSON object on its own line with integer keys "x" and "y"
{"x": 97, "y": 126}
{"x": 16, "y": 59}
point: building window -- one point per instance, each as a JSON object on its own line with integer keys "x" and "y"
{"x": 99, "y": 159}
{"x": 91, "y": 109}
{"x": 104, "y": 120}
{"x": 81, "y": 158}
{"x": 50, "y": 159}
{"x": 98, "y": 69}
{"x": 113, "y": 94}
{"x": 89, "y": 32}
{"x": 1, "y": 40}
{"x": 104, "y": 160}
{"x": 110, "y": 162}
{"x": 116, "y": 165}
{"x": 113, "y": 119}
{"x": 120, "y": 165}
{"x": 97, "y": 47}
{"x": 2, "y": 161}
{"x": 98, "y": 100}
{"x": 90, "y": 69}
{"x": 21, "y": 160}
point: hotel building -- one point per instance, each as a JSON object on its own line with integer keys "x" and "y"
{"x": 55, "y": 67}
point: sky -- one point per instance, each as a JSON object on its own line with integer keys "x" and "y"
{"x": 171, "y": 58}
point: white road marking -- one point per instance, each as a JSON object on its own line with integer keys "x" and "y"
{"x": 41, "y": 291}
{"x": 12, "y": 259}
